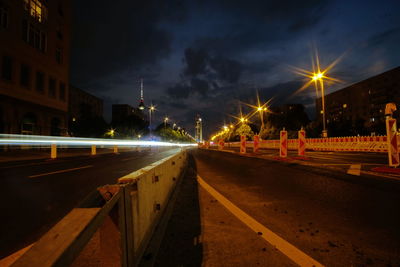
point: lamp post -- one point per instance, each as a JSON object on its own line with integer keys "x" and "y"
{"x": 319, "y": 77}
{"x": 165, "y": 122}
{"x": 151, "y": 110}
{"x": 261, "y": 110}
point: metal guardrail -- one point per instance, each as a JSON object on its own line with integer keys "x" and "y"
{"x": 114, "y": 224}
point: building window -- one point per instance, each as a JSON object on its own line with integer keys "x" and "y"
{"x": 59, "y": 33}
{"x": 40, "y": 82}
{"x": 60, "y": 10}
{"x": 36, "y": 9}
{"x": 34, "y": 36}
{"x": 59, "y": 57}
{"x": 3, "y": 17}
{"x": 25, "y": 76}
{"x": 52, "y": 88}
{"x": 6, "y": 68}
{"x": 62, "y": 91}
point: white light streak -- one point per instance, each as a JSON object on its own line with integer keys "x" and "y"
{"x": 39, "y": 140}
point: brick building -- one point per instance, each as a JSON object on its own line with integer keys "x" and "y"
{"x": 363, "y": 102}
{"x": 34, "y": 66}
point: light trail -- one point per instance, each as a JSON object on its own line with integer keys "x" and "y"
{"x": 39, "y": 140}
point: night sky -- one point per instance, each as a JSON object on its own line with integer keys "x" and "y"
{"x": 202, "y": 56}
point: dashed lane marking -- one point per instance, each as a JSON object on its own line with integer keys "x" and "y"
{"x": 293, "y": 253}
{"x": 61, "y": 171}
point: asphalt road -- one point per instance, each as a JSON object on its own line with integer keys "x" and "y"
{"x": 35, "y": 194}
{"x": 335, "y": 218}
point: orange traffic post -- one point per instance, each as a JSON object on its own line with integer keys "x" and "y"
{"x": 283, "y": 144}
{"x": 242, "y": 144}
{"x": 115, "y": 149}
{"x": 393, "y": 152}
{"x": 256, "y": 143}
{"x": 302, "y": 142}
{"x": 93, "y": 150}
{"x": 53, "y": 152}
{"x": 207, "y": 145}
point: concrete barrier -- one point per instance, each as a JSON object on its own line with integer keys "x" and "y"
{"x": 119, "y": 219}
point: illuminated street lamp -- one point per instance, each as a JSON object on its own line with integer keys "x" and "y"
{"x": 111, "y": 132}
{"x": 151, "y": 110}
{"x": 165, "y": 122}
{"x": 317, "y": 76}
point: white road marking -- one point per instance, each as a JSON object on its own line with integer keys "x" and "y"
{"x": 61, "y": 171}
{"x": 354, "y": 169}
{"x": 293, "y": 253}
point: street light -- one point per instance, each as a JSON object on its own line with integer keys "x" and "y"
{"x": 165, "y": 122}
{"x": 318, "y": 76}
{"x": 151, "y": 110}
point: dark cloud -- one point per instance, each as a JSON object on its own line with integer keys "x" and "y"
{"x": 125, "y": 35}
{"x": 195, "y": 62}
{"x": 204, "y": 73}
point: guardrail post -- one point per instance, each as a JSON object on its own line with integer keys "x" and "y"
{"x": 115, "y": 149}
{"x": 93, "y": 150}
{"x": 302, "y": 142}
{"x": 256, "y": 143}
{"x": 393, "y": 152}
{"x": 53, "y": 153}
{"x": 283, "y": 144}
{"x": 242, "y": 144}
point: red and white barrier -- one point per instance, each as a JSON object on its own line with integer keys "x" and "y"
{"x": 393, "y": 151}
{"x": 256, "y": 143}
{"x": 221, "y": 144}
{"x": 302, "y": 143}
{"x": 242, "y": 144}
{"x": 283, "y": 144}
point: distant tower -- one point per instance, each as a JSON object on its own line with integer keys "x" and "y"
{"x": 141, "y": 103}
{"x": 199, "y": 129}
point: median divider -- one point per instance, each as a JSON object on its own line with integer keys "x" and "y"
{"x": 114, "y": 224}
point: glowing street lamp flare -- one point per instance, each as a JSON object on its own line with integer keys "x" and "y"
{"x": 317, "y": 76}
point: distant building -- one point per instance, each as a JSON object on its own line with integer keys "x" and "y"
{"x": 363, "y": 102}
{"x": 82, "y": 104}
{"x": 121, "y": 112}
{"x": 34, "y": 66}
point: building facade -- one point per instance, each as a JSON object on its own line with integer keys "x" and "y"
{"x": 363, "y": 102}
{"x": 82, "y": 104}
{"x": 34, "y": 66}
{"x": 121, "y": 112}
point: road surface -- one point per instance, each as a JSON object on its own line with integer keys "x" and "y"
{"x": 333, "y": 218}
{"x": 35, "y": 194}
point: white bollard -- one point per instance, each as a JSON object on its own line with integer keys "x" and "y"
{"x": 302, "y": 143}
{"x": 256, "y": 143}
{"x": 221, "y": 144}
{"x": 242, "y": 144}
{"x": 53, "y": 152}
{"x": 393, "y": 152}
